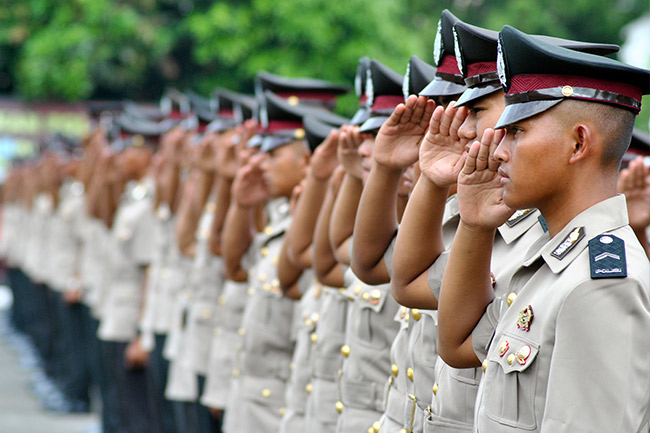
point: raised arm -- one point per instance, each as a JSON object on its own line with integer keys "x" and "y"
{"x": 347, "y": 200}
{"x": 301, "y": 233}
{"x": 419, "y": 241}
{"x": 396, "y": 148}
{"x": 249, "y": 190}
{"x": 466, "y": 285}
{"x": 326, "y": 268}
{"x": 634, "y": 183}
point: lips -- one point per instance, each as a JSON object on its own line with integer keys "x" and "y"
{"x": 503, "y": 175}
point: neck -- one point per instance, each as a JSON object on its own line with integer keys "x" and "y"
{"x": 561, "y": 209}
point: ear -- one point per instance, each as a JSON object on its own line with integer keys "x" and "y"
{"x": 582, "y": 139}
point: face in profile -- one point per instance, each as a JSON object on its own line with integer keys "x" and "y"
{"x": 285, "y": 167}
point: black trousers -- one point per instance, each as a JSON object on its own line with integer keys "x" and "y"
{"x": 132, "y": 394}
{"x": 157, "y": 371}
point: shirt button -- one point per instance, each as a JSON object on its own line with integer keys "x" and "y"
{"x": 435, "y": 389}
{"x": 345, "y": 350}
{"x": 511, "y": 298}
{"x": 394, "y": 369}
{"x": 484, "y": 365}
{"x": 416, "y": 313}
{"x": 409, "y": 373}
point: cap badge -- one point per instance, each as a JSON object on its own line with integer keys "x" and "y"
{"x": 501, "y": 65}
{"x": 406, "y": 83}
{"x": 525, "y": 318}
{"x": 438, "y": 47}
{"x": 299, "y": 134}
{"x": 568, "y": 243}
{"x": 293, "y": 100}
{"x": 567, "y": 91}
{"x": 370, "y": 88}
{"x": 457, "y": 51}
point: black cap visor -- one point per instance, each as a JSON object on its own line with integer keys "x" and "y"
{"x": 475, "y": 93}
{"x": 514, "y": 113}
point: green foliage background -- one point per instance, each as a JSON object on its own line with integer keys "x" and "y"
{"x": 78, "y": 49}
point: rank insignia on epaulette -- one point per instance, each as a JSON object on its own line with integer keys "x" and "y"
{"x": 525, "y": 318}
{"x": 518, "y": 216}
{"x": 568, "y": 243}
{"x": 607, "y": 257}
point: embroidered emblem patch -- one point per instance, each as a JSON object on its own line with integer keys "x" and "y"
{"x": 518, "y": 216}
{"x": 525, "y": 318}
{"x": 568, "y": 243}
{"x": 607, "y": 257}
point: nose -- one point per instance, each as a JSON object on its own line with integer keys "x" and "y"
{"x": 501, "y": 153}
{"x": 467, "y": 130}
{"x": 365, "y": 148}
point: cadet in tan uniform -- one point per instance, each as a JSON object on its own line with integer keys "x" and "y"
{"x": 295, "y": 265}
{"x": 382, "y": 203}
{"x": 583, "y": 288}
{"x": 268, "y": 325}
{"x": 231, "y": 302}
{"x": 370, "y": 328}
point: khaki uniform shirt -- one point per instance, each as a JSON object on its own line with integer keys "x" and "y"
{"x": 267, "y": 335}
{"x": 130, "y": 250}
{"x": 454, "y": 391}
{"x": 571, "y": 351}
{"x": 326, "y": 361}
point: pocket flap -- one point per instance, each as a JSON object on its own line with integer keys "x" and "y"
{"x": 514, "y": 353}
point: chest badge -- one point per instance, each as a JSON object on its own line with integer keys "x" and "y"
{"x": 525, "y": 318}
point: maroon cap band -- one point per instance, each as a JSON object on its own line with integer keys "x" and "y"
{"x": 309, "y": 96}
{"x": 524, "y": 88}
{"x": 281, "y": 125}
{"x": 387, "y": 102}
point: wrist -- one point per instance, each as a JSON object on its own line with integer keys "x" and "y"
{"x": 386, "y": 169}
{"x": 477, "y": 231}
{"x": 433, "y": 188}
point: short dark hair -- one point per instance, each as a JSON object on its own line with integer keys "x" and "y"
{"x": 616, "y": 124}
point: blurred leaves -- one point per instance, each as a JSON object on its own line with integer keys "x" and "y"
{"x": 78, "y": 49}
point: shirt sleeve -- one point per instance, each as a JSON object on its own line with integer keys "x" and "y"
{"x": 143, "y": 239}
{"x": 435, "y": 273}
{"x": 484, "y": 329}
{"x": 388, "y": 256}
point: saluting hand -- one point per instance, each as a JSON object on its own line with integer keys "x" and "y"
{"x": 398, "y": 142}
{"x": 324, "y": 160}
{"x": 250, "y": 187}
{"x": 634, "y": 183}
{"x": 442, "y": 148}
{"x": 480, "y": 193}
{"x": 348, "y": 151}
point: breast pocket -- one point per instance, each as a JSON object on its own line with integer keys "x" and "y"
{"x": 373, "y": 320}
{"x": 511, "y": 382}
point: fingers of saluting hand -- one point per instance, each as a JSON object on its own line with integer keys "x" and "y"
{"x": 458, "y": 119}
{"x": 484, "y": 151}
{"x": 436, "y": 118}
{"x": 493, "y": 163}
{"x": 398, "y": 116}
{"x": 447, "y": 118}
{"x": 470, "y": 160}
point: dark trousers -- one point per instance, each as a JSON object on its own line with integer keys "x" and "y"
{"x": 157, "y": 371}
{"x": 76, "y": 374}
{"x": 132, "y": 395}
{"x": 103, "y": 358}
